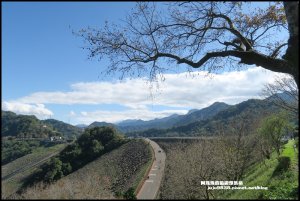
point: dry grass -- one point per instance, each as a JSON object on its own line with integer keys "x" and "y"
{"x": 112, "y": 172}
{"x": 188, "y": 163}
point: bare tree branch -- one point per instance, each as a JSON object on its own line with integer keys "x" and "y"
{"x": 283, "y": 93}
{"x": 192, "y": 33}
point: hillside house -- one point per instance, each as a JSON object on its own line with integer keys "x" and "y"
{"x": 55, "y": 138}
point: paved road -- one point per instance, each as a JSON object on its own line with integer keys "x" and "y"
{"x": 182, "y": 138}
{"x": 151, "y": 185}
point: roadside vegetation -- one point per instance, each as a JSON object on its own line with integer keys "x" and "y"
{"x": 258, "y": 157}
{"x": 188, "y": 163}
{"x": 280, "y": 175}
{"x": 113, "y": 175}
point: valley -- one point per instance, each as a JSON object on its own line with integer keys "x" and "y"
{"x": 163, "y": 158}
{"x": 140, "y": 100}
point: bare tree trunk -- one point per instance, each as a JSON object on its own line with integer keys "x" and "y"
{"x": 292, "y": 16}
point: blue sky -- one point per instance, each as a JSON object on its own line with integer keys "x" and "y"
{"x": 46, "y": 73}
{"x": 39, "y": 45}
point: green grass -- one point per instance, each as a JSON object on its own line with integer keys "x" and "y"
{"x": 38, "y": 154}
{"x": 13, "y": 184}
{"x": 282, "y": 186}
{"x": 290, "y": 152}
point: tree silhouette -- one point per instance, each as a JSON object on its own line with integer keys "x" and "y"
{"x": 204, "y": 35}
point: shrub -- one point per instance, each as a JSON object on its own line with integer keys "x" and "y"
{"x": 283, "y": 165}
{"x": 97, "y": 147}
{"x": 103, "y": 134}
{"x": 71, "y": 152}
{"x": 66, "y": 168}
{"x": 129, "y": 194}
{"x": 90, "y": 145}
{"x": 53, "y": 170}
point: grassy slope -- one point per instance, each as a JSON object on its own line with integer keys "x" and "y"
{"x": 115, "y": 171}
{"x": 12, "y": 185}
{"x": 279, "y": 187}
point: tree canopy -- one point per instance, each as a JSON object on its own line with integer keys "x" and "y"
{"x": 274, "y": 128}
{"x": 206, "y": 35}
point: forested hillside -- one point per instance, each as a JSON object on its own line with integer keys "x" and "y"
{"x": 96, "y": 123}
{"x": 28, "y": 126}
{"x": 67, "y": 130}
{"x": 251, "y": 109}
{"x": 93, "y": 143}
{"x": 25, "y": 126}
{"x": 173, "y": 120}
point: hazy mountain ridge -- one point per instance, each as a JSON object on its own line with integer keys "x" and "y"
{"x": 195, "y": 122}
{"x": 81, "y": 126}
{"x": 173, "y": 120}
{"x": 250, "y": 109}
{"x": 202, "y": 114}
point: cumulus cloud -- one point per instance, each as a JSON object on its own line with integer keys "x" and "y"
{"x": 193, "y": 90}
{"x": 183, "y": 90}
{"x": 38, "y": 110}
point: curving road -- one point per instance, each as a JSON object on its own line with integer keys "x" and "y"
{"x": 151, "y": 185}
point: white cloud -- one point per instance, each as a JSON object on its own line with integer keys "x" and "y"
{"x": 38, "y": 110}
{"x": 128, "y": 93}
{"x": 183, "y": 90}
{"x": 72, "y": 113}
{"x": 116, "y": 116}
{"x": 178, "y": 90}
{"x": 84, "y": 113}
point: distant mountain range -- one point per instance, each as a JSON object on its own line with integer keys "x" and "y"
{"x": 194, "y": 123}
{"x": 249, "y": 111}
{"x": 288, "y": 97}
{"x": 82, "y": 126}
{"x": 173, "y": 120}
